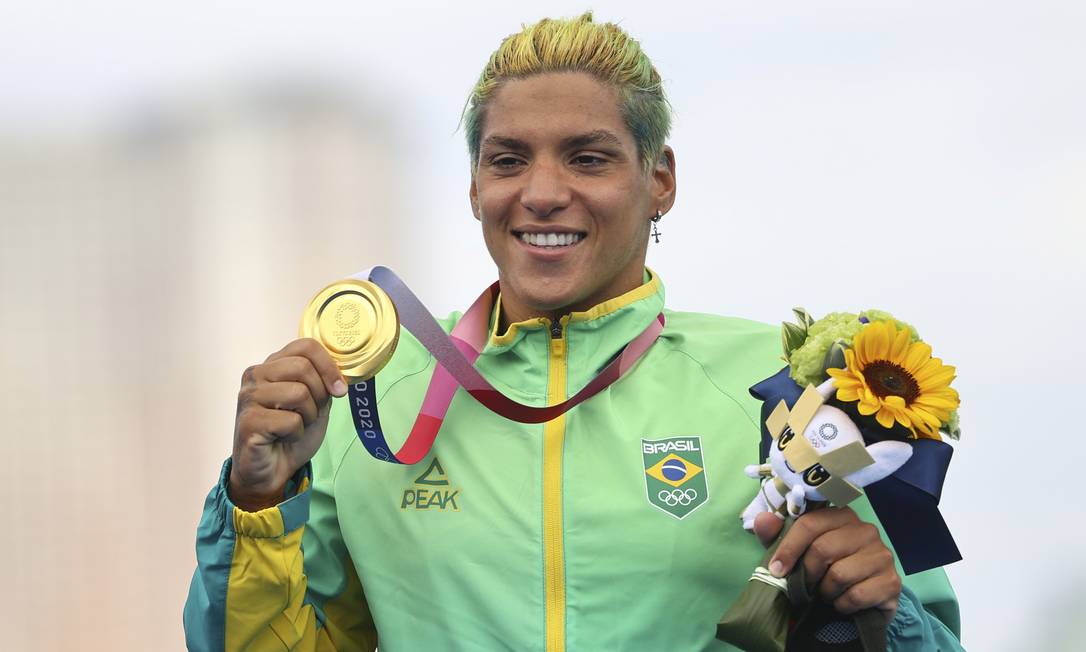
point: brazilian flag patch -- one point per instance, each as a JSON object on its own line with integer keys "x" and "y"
{"x": 675, "y": 474}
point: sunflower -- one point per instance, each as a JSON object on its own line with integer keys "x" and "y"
{"x": 896, "y": 379}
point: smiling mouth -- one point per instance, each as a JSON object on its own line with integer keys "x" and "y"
{"x": 550, "y": 240}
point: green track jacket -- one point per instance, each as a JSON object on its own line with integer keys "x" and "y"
{"x": 613, "y": 527}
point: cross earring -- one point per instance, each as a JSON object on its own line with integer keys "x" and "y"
{"x": 655, "y": 232}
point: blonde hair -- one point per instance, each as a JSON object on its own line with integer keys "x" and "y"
{"x": 579, "y": 45}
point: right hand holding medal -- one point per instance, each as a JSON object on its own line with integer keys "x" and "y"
{"x": 348, "y": 330}
{"x": 282, "y": 417}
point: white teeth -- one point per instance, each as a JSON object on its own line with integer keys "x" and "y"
{"x": 550, "y": 239}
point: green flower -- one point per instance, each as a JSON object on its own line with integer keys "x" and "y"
{"x": 807, "y": 360}
{"x": 825, "y": 341}
{"x": 952, "y": 427}
{"x": 882, "y": 315}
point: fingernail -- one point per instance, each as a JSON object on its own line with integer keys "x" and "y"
{"x": 776, "y": 569}
{"x": 339, "y": 388}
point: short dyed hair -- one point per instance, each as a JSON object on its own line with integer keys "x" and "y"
{"x": 579, "y": 45}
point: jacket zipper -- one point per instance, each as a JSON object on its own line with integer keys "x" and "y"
{"x": 554, "y": 432}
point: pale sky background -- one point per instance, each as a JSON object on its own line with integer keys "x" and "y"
{"x": 927, "y": 158}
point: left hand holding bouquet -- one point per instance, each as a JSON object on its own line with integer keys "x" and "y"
{"x": 844, "y": 559}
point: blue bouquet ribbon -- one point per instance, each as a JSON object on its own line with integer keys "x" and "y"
{"x": 906, "y": 502}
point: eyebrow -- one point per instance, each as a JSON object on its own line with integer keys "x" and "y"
{"x": 597, "y": 137}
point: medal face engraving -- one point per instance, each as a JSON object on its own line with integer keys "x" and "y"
{"x": 356, "y": 322}
{"x": 343, "y": 323}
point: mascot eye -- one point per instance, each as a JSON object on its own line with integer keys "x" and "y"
{"x": 816, "y": 475}
{"x": 785, "y": 437}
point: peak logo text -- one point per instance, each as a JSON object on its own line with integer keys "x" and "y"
{"x": 432, "y": 491}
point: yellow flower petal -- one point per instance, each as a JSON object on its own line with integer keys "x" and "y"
{"x": 839, "y": 376}
{"x": 900, "y": 345}
{"x": 936, "y": 379}
{"x": 885, "y": 418}
{"x": 929, "y": 369}
{"x": 869, "y": 396}
{"x": 895, "y": 402}
{"x": 848, "y": 395}
{"x": 928, "y": 400}
{"x": 948, "y": 393}
{"x": 928, "y": 418}
{"x": 917, "y": 355}
{"x": 923, "y": 430}
{"x": 877, "y": 341}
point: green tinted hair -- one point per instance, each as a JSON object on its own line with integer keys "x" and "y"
{"x": 579, "y": 45}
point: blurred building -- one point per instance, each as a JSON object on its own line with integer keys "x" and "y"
{"x": 143, "y": 266}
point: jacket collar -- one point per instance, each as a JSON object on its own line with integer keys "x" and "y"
{"x": 518, "y": 361}
{"x": 633, "y": 309}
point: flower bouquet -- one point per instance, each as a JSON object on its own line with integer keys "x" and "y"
{"x": 862, "y": 407}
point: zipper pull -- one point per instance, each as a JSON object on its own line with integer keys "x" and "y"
{"x": 556, "y": 329}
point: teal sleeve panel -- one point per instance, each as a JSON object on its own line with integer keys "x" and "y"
{"x": 932, "y": 590}
{"x": 914, "y": 629}
{"x": 333, "y": 589}
{"x": 205, "y": 608}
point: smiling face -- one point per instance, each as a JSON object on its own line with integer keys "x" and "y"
{"x": 562, "y": 195}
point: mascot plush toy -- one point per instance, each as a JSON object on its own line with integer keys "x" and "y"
{"x": 828, "y": 449}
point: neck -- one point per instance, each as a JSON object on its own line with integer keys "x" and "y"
{"x": 514, "y": 309}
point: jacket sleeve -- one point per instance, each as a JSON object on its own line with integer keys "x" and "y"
{"x": 253, "y": 588}
{"x": 917, "y": 628}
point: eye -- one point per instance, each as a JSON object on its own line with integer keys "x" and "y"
{"x": 588, "y": 160}
{"x": 505, "y": 162}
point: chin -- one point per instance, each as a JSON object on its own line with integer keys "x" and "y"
{"x": 550, "y": 297}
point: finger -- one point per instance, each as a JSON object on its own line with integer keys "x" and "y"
{"x": 297, "y": 369}
{"x": 853, "y": 569}
{"x": 767, "y": 526}
{"x": 806, "y": 529}
{"x": 836, "y": 545}
{"x": 878, "y": 591}
{"x": 308, "y": 347}
{"x": 890, "y": 606}
{"x": 289, "y": 395}
{"x": 274, "y": 425}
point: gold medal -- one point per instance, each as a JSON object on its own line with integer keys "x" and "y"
{"x": 356, "y": 322}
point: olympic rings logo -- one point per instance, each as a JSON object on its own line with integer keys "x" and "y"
{"x": 678, "y": 497}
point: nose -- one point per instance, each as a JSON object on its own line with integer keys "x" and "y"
{"x": 546, "y": 189}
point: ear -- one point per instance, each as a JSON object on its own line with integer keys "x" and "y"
{"x": 889, "y": 456}
{"x": 473, "y": 197}
{"x": 663, "y": 178}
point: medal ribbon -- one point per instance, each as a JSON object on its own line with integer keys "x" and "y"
{"x": 456, "y": 354}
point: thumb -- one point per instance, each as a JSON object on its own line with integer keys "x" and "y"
{"x": 767, "y": 526}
